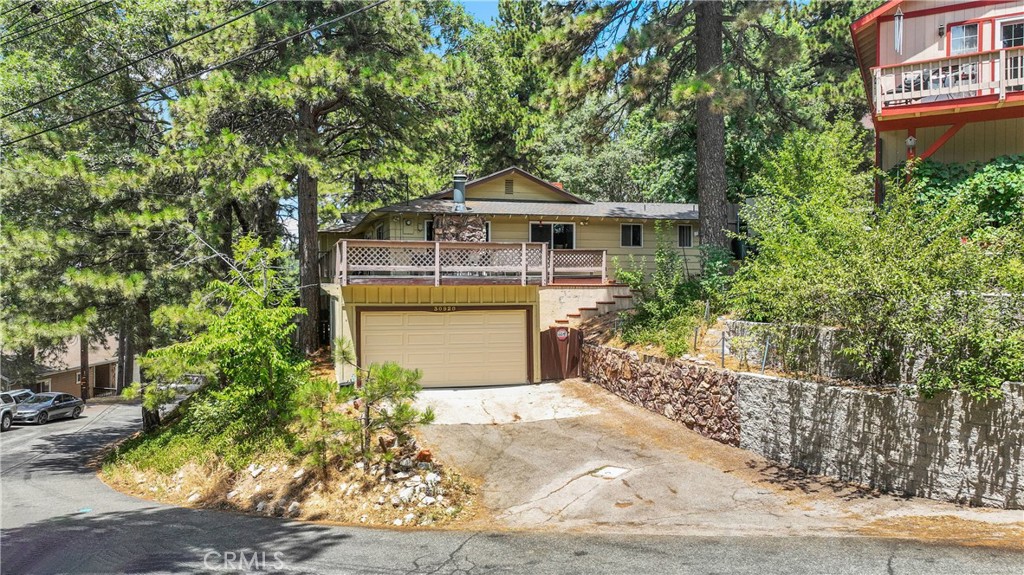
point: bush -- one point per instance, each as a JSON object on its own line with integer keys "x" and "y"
{"x": 909, "y": 283}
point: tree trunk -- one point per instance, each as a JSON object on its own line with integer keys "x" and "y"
{"x": 122, "y": 344}
{"x": 84, "y": 369}
{"x": 129, "y": 358}
{"x": 143, "y": 309}
{"x": 711, "y": 182}
{"x": 225, "y": 237}
{"x": 309, "y": 274}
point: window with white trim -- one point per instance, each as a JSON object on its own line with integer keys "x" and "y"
{"x": 632, "y": 236}
{"x": 963, "y": 39}
{"x": 685, "y": 236}
{"x": 379, "y": 232}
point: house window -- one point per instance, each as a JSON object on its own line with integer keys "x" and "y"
{"x": 963, "y": 39}
{"x": 632, "y": 236}
{"x": 487, "y": 231}
{"x": 558, "y": 236}
{"x": 379, "y": 232}
{"x": 44, "y": 385}
{"x": 1012, "y": 34}
{"x": 686, "y": 236}
{"x": 428, "y": 230}
{"x": 509, "y": 187}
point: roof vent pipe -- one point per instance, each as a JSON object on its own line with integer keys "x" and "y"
{"x": 459, "y": 192}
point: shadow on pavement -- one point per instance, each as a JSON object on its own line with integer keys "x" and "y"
{"x": 161, "y": 539}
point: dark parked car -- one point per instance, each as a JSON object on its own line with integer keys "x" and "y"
{"x": 43, "y": 407}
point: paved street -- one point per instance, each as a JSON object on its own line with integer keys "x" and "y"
{"x": 57, "y": 517}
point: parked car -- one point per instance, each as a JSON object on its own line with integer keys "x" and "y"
{"x": 7, "y": 407}
{"x": 19, "y": 395}
{"x": 43, "y": 407}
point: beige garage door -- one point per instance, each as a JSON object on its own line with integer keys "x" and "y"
{"x": 460, "y": 348}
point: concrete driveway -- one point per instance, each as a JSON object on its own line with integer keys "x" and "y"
{"x": 571, "y": 456}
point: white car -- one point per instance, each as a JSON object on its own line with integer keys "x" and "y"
{"x": 7, "y": 407}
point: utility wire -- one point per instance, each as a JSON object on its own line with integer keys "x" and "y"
{"x": 77, "y": 14}
{"x": 195, "y": 75}
{"x": 46, "y": 19}
{"x": 136, "y": 61}
{"x": 9, "y": 10}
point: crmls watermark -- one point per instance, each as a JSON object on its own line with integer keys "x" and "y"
{"x": 247, "y": 561}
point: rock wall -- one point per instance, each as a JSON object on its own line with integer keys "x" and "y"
{"x": 700, "y": 397}
{"x": 947, "y": 447}
{"x": 459, "y": 228}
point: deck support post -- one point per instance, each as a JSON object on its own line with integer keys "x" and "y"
{"x": 522, "y": 258}
{"x": 437, "y": 264}
{"x": 544, "y": 265}
{"x": 604, "y": 267}
{"x": 342, "y": 260}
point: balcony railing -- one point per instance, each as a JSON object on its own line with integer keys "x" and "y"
{"x": 441, "y": 263}
{"x": 980, "y": 74}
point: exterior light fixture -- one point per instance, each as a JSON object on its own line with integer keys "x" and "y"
{"x": 408, "y": 222}
{"x": 942, "y": 30}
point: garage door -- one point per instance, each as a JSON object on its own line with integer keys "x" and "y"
{"x": 460, "y": 348}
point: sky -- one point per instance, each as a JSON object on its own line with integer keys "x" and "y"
{"x": 482, "y": 10}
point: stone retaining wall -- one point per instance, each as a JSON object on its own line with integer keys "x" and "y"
{"x": 702, "y": 398}
{"x": 948, "y": 447}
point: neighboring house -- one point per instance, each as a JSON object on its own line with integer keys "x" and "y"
{"x": 460, "y": 284}
{"x": 944, "y": 79}
{"x": 60, "y": 371}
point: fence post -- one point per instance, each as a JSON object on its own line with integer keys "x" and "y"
{"x": 604, "y": 267}
{"x": 437, "y": 264}
{"x": 343, "y": 263}
{"x": 522, "y": 262}
{"x": 544, "y": 264}
{"x": 764, "y": 356}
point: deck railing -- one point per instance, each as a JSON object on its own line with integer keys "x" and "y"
{"x": 979, "y": 74}
{"x": 386, "y": 261}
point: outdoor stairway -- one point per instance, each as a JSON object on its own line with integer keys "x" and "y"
{"x": 617, "y": 303}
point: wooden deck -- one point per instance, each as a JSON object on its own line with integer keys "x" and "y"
{"x": 386, "y": 262}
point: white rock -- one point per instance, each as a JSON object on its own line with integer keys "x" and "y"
{"x": 273, "y": 469}
{"x": 363, "y": 518}
{"x": 285, "y": 468}
{"x": 433, "y": 479}
{"x": 360, "y": 466}
{"x": 256, "y": 472}
{"x": 193, "y": 498}
{"x": 406, "y": 463}
{"x": 352, "y": 489}
{"x": 261, "y": 506}
{"x": 387, "y": 488}
{"x": 416, "y": 479}
{"x": 406, "y": 494}
{"x": 380, "y": 500}
{"x": 401, "y": 475}
{"x": 232, "y": 494}
{"x": 398, "y": 523}
{"x": 428, "y": 500}
{"x": 293, "y": 509}
{"x": 257, "y": 489}
{"x": 396, "y": 501}
{"x": 298, "y": 473}
{"x": 409, "y": 518}
{"x": 342, "y": 486}
{"x": 153, "y": 489}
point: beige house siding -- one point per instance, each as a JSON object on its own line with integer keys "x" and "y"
{"x": 64, "y": 382}
{"x": 346, "y": 303}
{"x": 523, "y": 190}
{"x": 975, "y": 142}
{"x": 921, "y": 40}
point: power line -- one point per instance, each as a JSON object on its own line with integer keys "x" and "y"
{"x": 37, "y": 30}
{"x": 36, "y": 10}
{"x": 134, "y": 62}
{"x": 196, "y": 74}
{"x": 9, "y": 10}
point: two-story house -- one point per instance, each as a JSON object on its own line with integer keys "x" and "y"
{"x": 462, "y": 283}
{"x": 944, "y": 79}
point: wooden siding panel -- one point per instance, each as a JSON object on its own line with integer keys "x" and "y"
{"x": 524, "y": 190}
{"x": 921, "y": 40}
{"x": 975, "y": 142}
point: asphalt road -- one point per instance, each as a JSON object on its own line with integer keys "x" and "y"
{"x": 57, "y": 517}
